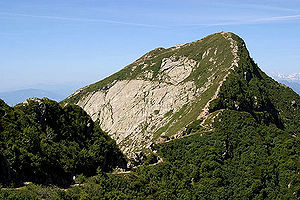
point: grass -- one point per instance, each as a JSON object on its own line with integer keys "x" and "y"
{"x": 153, "y": 59}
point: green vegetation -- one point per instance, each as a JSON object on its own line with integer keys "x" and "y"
{"x": 152, "y": 60}
{"x": 251, "y": 152}
{"x": 251, "y": 90}
{"x": 206, "y": 76}
{"x": 42, "y": 142}
{"x": 241, "y": 159}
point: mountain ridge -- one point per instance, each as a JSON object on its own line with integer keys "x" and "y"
{"x": 221, "y": 126}
{"x": 160, "y": 94}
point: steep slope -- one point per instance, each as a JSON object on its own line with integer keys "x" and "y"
{"x": 159, "y": 95}
{"x": 240, "y": 130}
{"x": 44, "y": 143}
{"x": 251, "y": 90}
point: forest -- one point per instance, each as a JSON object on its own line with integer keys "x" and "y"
{"x": 240, "y": 159}
{"x": 45, "y": 143}
{"x": 247, "y": 148}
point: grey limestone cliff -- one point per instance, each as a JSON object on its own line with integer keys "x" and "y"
{"x": 160, "y": 93}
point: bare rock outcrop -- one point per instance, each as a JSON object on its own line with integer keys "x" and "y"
{"x": 161, "y": 92}
{"x": 135, "y": 109}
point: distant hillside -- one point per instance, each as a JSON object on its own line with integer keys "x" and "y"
{"x": 18, "y": 96}
{"x": 55, "y": 91}
{"x": 292, "y": 80}
{"x": 295, "y": 85}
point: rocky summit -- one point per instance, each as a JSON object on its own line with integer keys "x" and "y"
{"x": 160, "y": 95}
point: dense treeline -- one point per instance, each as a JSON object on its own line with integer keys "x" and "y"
{"x": 241, "y": 159}
{"x": 42, "y": 142}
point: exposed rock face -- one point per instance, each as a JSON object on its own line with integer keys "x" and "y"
{"x": 177, "y": 69}
{"x": 133, "y": 109}
{"x": 160, "y": 93}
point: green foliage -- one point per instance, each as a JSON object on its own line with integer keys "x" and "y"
{"x": 43, "y": 142}
{"x": 249, "y": 89}
{"x": 252, "y": 152}
{"x": 80, "y": 179}
{"x": 241, "y": 159}
{"x": 193, "y": 127}
{"x": 151, "y": 158}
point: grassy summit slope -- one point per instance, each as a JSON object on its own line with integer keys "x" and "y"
{"x": 250, "y": 89}
{"x": 152, "y": 60}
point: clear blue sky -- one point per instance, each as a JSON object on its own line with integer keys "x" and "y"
{"x": 68, "y": 41}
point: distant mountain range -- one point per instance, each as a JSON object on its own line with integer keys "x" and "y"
{"x": 18, "y": 96}
{"x": 290, "y": 77}
{"x": 56, "y": 92}
{"x": 291, "y": 80}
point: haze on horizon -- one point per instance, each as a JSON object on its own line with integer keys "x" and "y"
{"x": 77, "y": 42}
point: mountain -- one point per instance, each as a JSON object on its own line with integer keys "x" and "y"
{"x": 158, "y": 96}
{"x": 292, "y": 80}
{"x": 201, "y": 120}
{"x": 161, "y": 92}
{"x": 18, "y": 96}
{"x": 42, "y": 142}
{"x": 56, "y": 92}
{"x": 295, "y": 85}
{"x": 290, "y": 77}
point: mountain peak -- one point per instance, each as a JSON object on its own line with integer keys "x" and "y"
{"x": 148, "y": 98}
{"x": 159, "y": 95}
